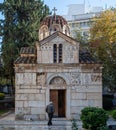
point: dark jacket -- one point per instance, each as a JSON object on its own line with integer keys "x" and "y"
{"x": 50, "y": 108}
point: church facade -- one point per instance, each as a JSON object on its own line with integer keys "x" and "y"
{"x": 56, "y": 70}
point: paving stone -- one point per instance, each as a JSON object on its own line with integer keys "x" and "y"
{"x": 9, "y": 123}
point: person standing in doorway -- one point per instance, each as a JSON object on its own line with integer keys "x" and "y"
{"x": 50, "y": 110}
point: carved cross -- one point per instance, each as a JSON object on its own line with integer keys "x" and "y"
{"x": 54, "y": 9}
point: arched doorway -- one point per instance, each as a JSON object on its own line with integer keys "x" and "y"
{"x": 58, "y": 96}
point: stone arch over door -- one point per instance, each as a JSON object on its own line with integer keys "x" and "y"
{"x": 58, "y": 96}
{"x": 57, "y": 81}
{"x": 57, "y": 87}
{"x": 62, "y": 75}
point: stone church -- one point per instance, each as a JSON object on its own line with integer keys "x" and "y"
{"x": 57, "y": 70}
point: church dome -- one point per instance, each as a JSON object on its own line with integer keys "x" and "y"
{"x": 51, "y": 24}
{"x": 54, "y": 19}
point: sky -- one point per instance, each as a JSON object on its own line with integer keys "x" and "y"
{"x": 62, "y": 5}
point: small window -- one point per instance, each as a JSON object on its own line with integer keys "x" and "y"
{"x": 43, "y": 34}
{"x": 66, "y": 32}
{"x": 60, "y": 53}
{"x": 55, "y": 29}
{"x": 55, "y": 53}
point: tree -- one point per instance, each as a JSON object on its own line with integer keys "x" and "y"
{"x": 103, "y": 39}
{"x": 19, "y": 28}
{"x": 80, "y": 36}
{"x": 93, "y": 118}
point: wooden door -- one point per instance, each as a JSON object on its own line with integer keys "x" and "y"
{"x": 58, "y": 98}
{"x": 61, "y": 103}
{"x": 54, "y": 99}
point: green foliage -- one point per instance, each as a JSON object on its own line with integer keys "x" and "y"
{"x": 114, "y": 114}
{"x": 80, "y": 37}
{"x": 19, "y": 28}
{"x": 2, "y": 95}
{"x": 104, "y": 128}
{"x": 4, "y": 81}
{"x": 93, "y": 118}
{"x": 103, "y": 33}
{"x": 74, "y": 124}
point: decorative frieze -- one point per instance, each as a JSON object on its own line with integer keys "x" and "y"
{"x": 25, "y": 79}
{"x": 41, "y": 79}
{"x": 75, "y": 79}
{"x": 95, "y": 78}
{"x": 87, "y": 79}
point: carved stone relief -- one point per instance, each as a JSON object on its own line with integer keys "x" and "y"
{"x": 40, "y": 79}
{"x": 87, "y": 78}
{"x": 75, "y": 78}
{"x": 57, "y": 81}
{"x": 96, "y": 78}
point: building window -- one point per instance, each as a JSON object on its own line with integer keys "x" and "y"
{"x": 55, "y": 53}
{"x": 60, "y": 53}
{"x": 55, "y": 29}
{"x": 44, "y": 34}
{"x": 66, "y": 32}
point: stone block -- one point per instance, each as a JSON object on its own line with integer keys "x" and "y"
{"x": 42, "y": 91}
{"x": 42, "y": 116}
{"x": 93, "y": 95}
{"x": 40, "y": 110}
{"x": 22, "y": 97}
{"x": 75, "y": 116}
{"x": 23, "y": 110}
{"x": 88, "y": 88}
{"x": 19, "y": 116}
{"x": 40, "y": 97}
{"x": 91, "y": 102}
{"x": 95, "y": 88}
{"x": 95, "y": 103}
{"x": 31, "y": 117}
{"x": 37, "y": 97}
{"x": 26, "y": 103}
{"x": 80, "y": 89}
{"x": 18, "y": 103}
{"x": 36, "y": 104}
{"x": 78, "y": 96}
{"x": 29, "y": 78}
{"x": 80, "y": 103}
{"x": 25, "y": 91}
{"x": 98, "y": 103}
{"x": 19, "y": 78}
{"x": 76, "y": 109}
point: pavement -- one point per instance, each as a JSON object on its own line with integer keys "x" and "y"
{"x": 8, "y": 122}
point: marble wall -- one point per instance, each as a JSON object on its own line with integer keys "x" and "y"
{"x": 83, "y": 88}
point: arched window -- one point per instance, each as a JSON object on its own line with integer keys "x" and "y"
{"x": 44, "y": 34}
{"x": 55, "y": 53}
{"x": 66, "y": 32}
{"x": 60, "y": 53}
{"x": 55, "y": 29}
